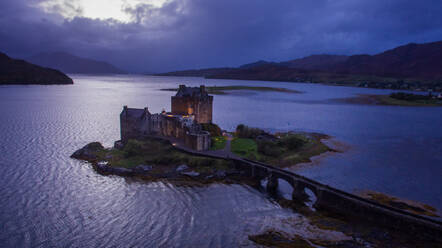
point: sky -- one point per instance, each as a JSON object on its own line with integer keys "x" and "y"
{"x": 164, "y": 35}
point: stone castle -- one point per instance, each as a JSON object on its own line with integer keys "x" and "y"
{"x": 191, "y": 107}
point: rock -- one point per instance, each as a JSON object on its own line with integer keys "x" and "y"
{"x": 143, "y": 168}
{"x": 182, "y": 167}
{"x": 88, "y": 152}
{"x": 121, "y": 171}
{"x": 102, "y": 167}
{"x": 191, "y": 173}
{"x": 220, "y": 174}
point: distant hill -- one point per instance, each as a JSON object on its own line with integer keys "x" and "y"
{"x": 13, "y": 71}
{"x": 423, "y": 61}
{"x": 412, "y": 64}
{"x": 256, "y": 64}
{"x": 315, "y": 62}
{"x": 69, "y": 63}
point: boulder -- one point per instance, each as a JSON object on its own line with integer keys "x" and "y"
{"x": 121, "y": 171}
{"x": 143, "y": 168}
{"x": 182, "y": 167}
{"x": 221, "y": 174}
{"x": 88, "y": 152}
{"x": 191, "y": 173}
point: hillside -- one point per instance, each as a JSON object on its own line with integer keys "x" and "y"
{"x": 13, "y": 71}
{"x": 412, "y": 66}
{"x": 315, "y": 62}
{"x": 69, "y": 63}
{"x": 423, "y": 61}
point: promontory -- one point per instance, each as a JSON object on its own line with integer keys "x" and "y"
{"x": 14, "y": 71}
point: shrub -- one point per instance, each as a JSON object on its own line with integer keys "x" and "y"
{"x": 212, "y": 128}
{"x": 133, "y": 148}
{"x": 243, "y": 131}
{"x": 269, "y": 148}
{"x": 292, "y": 142}
{"x": 408, "y": 96}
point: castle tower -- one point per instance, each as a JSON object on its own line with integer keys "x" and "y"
{"x": 193, "y": 101}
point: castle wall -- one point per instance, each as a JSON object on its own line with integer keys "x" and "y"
{"x": 180, "y": 105}
{"x": 200, "y": 108}
{"x": 203, "y": 111}
{"x": 198, "y": 141}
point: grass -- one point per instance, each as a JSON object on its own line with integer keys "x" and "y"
{"x": 222, "y": 90}
{"x": 218, "y": 143}
{"x": 289, "y": 150}
{"x": 156, "y": 152}
{"x": 245, "y": 148}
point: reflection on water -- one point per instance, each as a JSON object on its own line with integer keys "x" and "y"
{"x": 52, "y": 200}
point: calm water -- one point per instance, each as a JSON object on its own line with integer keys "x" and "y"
{"x": 52, "y": 200}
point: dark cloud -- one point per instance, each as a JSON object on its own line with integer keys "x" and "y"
{"x": 205, "y": 33}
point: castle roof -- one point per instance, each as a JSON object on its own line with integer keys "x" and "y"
{"x": 134, "y": 113}
{"x": 199, "y": 92}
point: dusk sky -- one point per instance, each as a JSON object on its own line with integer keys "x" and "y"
{"x": 161, "y": 35}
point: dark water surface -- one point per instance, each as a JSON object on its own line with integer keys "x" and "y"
{"x": 50, "y": 200}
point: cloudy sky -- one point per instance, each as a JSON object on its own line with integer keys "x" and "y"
{"x": 164, "y": 35}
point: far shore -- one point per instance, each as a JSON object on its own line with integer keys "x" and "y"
{"x": 224, "y": 90}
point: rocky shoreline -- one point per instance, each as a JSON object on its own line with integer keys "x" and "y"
{"x": 101, "y": 160}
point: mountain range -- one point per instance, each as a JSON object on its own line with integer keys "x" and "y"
{"x": 409, "y": 63}
{"x": 14, "y": 71}
{"x": 69, "y": 63}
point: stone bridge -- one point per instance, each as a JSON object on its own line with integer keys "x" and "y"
{"x": 327, "y": 198}
{"x": 338, "y": 201}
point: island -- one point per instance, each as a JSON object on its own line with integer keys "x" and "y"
{"x": 224, "y": 90}
{"x": 13, "y": 71}
{"x": 184, "y": 144}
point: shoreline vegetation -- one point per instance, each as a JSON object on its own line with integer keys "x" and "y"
{"x": 365, "y": 99}
{"x": 224, "y": 90}
{"x": 404, "y": 204}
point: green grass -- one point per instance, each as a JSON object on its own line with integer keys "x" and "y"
{"x": 289, "y": 150}
{"x": 221, "y": 90}
{"x": 245, "y": 148}
{"x": 156, "y": 152}
{"x": 218, "y": 143}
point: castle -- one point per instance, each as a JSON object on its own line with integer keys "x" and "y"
{"x": 191, "y": 107}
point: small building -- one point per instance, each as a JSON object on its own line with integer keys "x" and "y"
{"x": 191, "y": 106}
{"x": 134, "y": 123}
